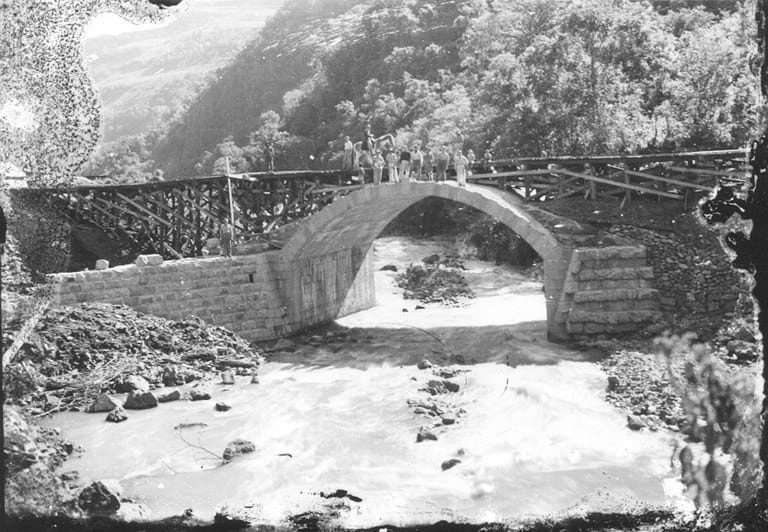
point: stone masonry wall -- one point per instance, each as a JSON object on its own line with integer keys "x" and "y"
{"x": 691, "y": 279}
{"x": 608, "y": 291}
{"x": 259, "y": 296}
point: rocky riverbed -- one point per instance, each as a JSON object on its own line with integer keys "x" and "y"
{"x": 395, "y": 415}
{"x": 412, "y": 411}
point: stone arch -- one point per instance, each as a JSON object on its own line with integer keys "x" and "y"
{"x": 353, "y": 222}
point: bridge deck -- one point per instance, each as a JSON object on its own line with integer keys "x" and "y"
{"x": 176, "y": 218}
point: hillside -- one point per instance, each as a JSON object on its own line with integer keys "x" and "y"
{"x": 521, "y": 77}
{"x": 143, "y": 77}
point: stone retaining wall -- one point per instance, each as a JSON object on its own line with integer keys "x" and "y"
{"x": 608, "y": 291}
{"x": 258, "y": 296}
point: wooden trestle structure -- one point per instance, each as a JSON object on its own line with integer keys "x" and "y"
{"x": 176, "y": 218}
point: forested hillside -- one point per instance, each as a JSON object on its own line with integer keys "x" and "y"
{"x": 145, "y": 76}
{"x": 522, "y": 77}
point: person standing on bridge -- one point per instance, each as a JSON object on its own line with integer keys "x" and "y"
{"x": 416, "y": 160}
{"x": 349, "y": 151}
{"x": 405, "y": 163}
{"x": 442, "y": 161}
{"x": 487, "y": 158}
{"x": 428, "y": 159}
{"x": 269, "y": 152}
{"x": 460, "y": 164}
{"x": 225, "y": 238}
{"x": 392, "y": 166}
{"x": 470, "y": 161}
{"x": 378, "y": 167}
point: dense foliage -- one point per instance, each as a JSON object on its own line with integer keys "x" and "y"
{"x": 519, "y": 76}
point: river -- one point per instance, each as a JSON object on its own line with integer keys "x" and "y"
{"x": 536, "y": 437}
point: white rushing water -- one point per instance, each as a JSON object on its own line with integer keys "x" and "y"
{"x": 536, "y": 438}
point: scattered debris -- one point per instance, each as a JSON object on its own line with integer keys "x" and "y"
{"x": 78, "y": 353}
{"x": 117, "y": 415}
{"x": 237, "y": 448}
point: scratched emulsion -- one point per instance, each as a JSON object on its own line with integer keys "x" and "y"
{"x": 50, "y": 114}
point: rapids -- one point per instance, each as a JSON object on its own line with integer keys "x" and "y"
{"x": 537, "y": 437}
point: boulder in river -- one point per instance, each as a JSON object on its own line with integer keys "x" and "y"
{"x": 103, "y": 403}
{"x": 635, "y": 422}
{"x": 449, "y": 420}
{"x": 425, "y": 434}
{"x": 167, "y": 397}
{"x": 435, "y": 387}
{"x": 449, "y": 464}
{"x": 140, "y": 401}
{"x": 227, "y": 377}
{"x": 172, "y": 377}
{"x": 117, "y": 415}
{"x": 431, "y": 259}
{"x": 388, "y": 268}
{"x": 132, "y": 383}
{"x": 101, "y": 498}
{"x": 222, "y": 407}
{"x": 613, "y": 383}
{"x": 199, "y": 395}
{"x": 424, "y": 364}
{"x": 254, "y": 379}
{"x": 238, "y": 447}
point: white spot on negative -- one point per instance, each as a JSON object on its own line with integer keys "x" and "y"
{"x": 18, "y": 115}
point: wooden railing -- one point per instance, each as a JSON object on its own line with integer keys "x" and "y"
{"x": 677, "y": 176}
{"x": 176, "y": 218}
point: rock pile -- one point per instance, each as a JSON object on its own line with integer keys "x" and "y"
{"x": 638, "y": 384}
{"x": 735, "y": 342}
{"x": 78, "y": 353}
{"x": 434, "y": 284}
{"x": 438, "y": 407}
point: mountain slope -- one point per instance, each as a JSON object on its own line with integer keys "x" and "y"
{"x": 143, "y": 77}
{"x": 521, "y": 77}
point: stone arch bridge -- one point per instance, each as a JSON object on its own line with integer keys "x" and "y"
{"x": 308, "y": 259}
{"x": 324, "y": 269}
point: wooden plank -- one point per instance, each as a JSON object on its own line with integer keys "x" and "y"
{"x": 666, "y": 180}
{"x": 701, "y": 171}
{"x": 142, "y": 209}
{"x": 23, "y": 334}
{"x": 515, "y": 173}
{"x": 635, "y": 158}
{"x": 151, "y": 198}
{"x": 622, "y": 185}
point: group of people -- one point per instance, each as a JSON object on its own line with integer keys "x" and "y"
{"x": 404, "y": 164}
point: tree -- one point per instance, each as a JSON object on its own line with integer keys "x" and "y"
{"x": 270, "y": 133}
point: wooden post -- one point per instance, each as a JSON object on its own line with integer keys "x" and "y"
{"x": 592, "y": 190}
{"x": 527, "y": 187}
{"x": 627, "y": 192}
{"x": 231, "y": 205}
